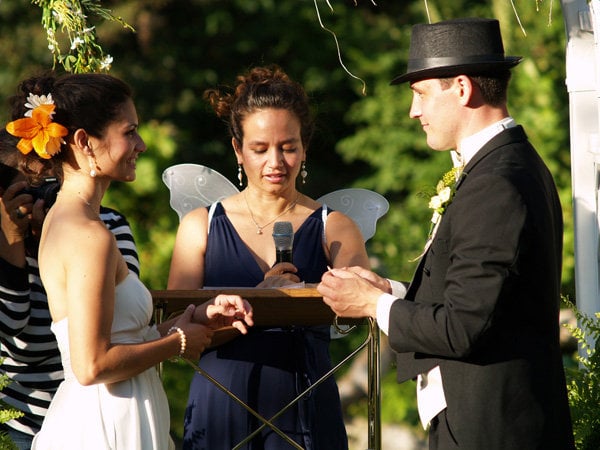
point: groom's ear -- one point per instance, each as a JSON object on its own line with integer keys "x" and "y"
{"x": 464, "y": 89}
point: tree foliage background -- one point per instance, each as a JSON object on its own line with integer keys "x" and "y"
{"x": 180, "y": 49}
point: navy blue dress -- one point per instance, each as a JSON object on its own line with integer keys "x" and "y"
{"x": 266, "y": 368}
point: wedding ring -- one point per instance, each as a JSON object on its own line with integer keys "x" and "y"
{"x": 19, "y": 214}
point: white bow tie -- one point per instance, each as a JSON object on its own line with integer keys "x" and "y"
{"x": 457, "y": 159}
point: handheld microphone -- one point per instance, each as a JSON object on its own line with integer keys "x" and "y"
{"x": 283, "y": 235}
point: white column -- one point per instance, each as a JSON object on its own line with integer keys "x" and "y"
{"x": 582, "y": 56}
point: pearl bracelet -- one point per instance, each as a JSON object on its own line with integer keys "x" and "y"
{"x": 182, "y": 339}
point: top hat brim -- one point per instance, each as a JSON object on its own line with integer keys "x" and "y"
{"x": 483, "y": 67}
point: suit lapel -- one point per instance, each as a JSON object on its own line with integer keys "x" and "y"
{"x": 506, "y": 137}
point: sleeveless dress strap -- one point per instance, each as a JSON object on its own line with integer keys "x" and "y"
{"x": 324, "y": 214}
{"x": 211, "y": 212}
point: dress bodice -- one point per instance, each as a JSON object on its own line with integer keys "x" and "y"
{"x": 225, "y": 245}
{"x": 132, "y": 313}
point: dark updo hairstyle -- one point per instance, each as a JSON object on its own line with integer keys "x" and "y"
{"x": 262, "y": 88}
{"x": 90, "y": 101}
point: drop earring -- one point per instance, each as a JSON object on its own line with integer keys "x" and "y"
{"x": 92, "y": 161}
{"x": 303, "y": 172}
{"x": 93, "y": 167}
{"x": 240, "y": 175}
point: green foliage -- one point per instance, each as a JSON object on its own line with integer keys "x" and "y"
{"x": 71, "y": 18}
{"x": 6, "y": 413}
{"x": 177, "y": 376}
{"x": 6, "y": 442}
{"x": 399, "y": 402}
{"x": 583, "y": 383}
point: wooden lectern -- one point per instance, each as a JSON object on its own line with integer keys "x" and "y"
{"x": 272, "y": 307}
{"x": 285, "y": 307}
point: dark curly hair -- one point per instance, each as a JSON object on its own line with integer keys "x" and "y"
{"x": 89, "y": 101}
{"x": 260, "y": 88}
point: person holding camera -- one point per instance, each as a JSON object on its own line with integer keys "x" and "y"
{"x": 29, "y": 351}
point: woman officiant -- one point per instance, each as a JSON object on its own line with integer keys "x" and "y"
{"x": 230, "y": 244}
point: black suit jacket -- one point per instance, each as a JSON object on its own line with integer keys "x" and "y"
{"x": 484, "y": 304}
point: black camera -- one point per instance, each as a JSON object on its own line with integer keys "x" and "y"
{"x": 47, "y": 191}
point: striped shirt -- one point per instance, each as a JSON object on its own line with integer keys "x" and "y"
{"x": 30, "y": 352}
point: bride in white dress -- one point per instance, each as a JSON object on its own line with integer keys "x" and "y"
{"x": 85, "y": 125}
{"x": 129, "y": 414}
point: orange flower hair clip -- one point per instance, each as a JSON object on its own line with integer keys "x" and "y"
{"x": 36, "y": 129}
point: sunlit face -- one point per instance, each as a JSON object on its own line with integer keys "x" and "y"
{"x": 272, "y": 151}
{"x": 436, "y": 107}
{"x": 120, "y": 146}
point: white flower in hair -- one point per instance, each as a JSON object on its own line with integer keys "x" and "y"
{"x": 33, "y": 101}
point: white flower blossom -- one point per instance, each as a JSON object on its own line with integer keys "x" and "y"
{"x": 79, "y": 13}
{"x": 435, "y": 202}
{"x": 106, "y": 62}
{"x": 58, "y": 17}
{"x": 439, "y": 202}
{"x": 76, "y": 42}
{"x": 33, "y": 101}
{"x": 445, "y": 194}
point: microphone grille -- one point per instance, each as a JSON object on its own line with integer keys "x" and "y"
{"x": 283, "y": 235}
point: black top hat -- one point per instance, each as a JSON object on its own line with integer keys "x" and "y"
{"x": 460, "y": 46}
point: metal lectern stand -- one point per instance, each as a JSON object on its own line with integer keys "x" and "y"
{"x": 286, "y": 307}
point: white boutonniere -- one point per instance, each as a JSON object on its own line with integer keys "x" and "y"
{"x": 439, "y": 202}
{"x": 445, "y": 190}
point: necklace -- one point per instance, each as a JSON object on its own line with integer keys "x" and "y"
{"x": 82, "y": 198}
{"x": 259, "y": 228}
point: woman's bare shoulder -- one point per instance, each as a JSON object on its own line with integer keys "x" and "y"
{"x": 71, "y": 232}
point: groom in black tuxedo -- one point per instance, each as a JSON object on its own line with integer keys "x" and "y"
{"x": 477, "y": 326}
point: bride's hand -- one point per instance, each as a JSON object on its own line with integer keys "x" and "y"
{"x": 224, "y": 311}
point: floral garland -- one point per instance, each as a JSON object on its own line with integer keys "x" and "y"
{"x": 36, "y": 129}
{"x": 70, "y": 17}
